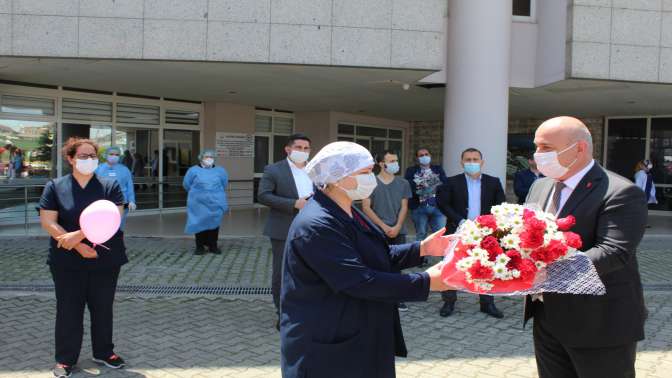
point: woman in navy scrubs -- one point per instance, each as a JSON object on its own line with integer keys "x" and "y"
{"x": 341, "y": 281}
{"x": 83, "y": 275}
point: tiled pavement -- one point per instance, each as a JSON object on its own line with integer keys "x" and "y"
{"x": 221, "y": 336}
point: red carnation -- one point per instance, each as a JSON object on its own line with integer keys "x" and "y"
{"x": 543, "y": 254}
{"x": 531, "y": 239}
{"x": 534, "y": 224}
{"x": 565, "y": 224}
{"x": 556, "y": 249}
{"x": 491, "y": 245}
{"x": 515, "y": 259}
{"x": 488, "y": 221}
{"x": 573, "y": 240}
{"x": 527, "y": 214}
{"x": 480, "y": 272}
{"x": 527, "y": 269}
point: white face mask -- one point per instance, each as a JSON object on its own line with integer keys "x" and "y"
{"x": 208, "y": 162}
{"x": 549, "y": 165}
{"x": 86, "y": 166}
{"x": 299, "y": 157}
{"x": 392, "y": 168}
{"x": 366, "y": 183}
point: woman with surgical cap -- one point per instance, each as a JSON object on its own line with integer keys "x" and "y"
{"x": 342, "y": 281}
{"x": 205, "y": 184}
{"x": 112, "y": 170}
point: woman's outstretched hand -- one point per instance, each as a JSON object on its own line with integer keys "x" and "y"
{"x": 436, "y": 243}
{"x": 435, "y": 281}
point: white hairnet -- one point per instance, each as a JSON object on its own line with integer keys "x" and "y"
{"x": 336, "y": 161}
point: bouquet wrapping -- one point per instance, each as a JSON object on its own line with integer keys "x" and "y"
{"x": 518, "y": 250}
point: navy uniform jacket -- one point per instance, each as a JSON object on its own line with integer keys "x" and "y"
{"x": 64, "y": 195}
{"x": 340, "y": 289}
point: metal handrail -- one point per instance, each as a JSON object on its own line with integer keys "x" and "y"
{"x": 21, "y": 200}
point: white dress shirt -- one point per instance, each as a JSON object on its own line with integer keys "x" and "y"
{"x": 570, "y": 184}
{"x": 304, "y": 187}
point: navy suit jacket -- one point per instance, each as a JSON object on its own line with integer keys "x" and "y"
{"x": 522, "y": 183}
{"x": 452, "y": 198}
{"x": 340, "y": 289}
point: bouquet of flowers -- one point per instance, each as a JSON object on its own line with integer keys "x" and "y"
{"x": 517, "y": 250}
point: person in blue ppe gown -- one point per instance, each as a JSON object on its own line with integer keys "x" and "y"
{"x": 112, "y": 170}
{"x": 341, "y": 279}
{"x": 205, "y": 184}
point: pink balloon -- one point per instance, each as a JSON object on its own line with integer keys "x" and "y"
{"x": 100, "y": 221}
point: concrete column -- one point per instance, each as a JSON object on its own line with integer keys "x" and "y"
{"x": 477, "y": 83}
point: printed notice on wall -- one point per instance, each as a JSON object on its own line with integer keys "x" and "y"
{"x": 234, "y": 145}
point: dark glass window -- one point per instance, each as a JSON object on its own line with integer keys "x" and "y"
{"x": 522, "y": 8}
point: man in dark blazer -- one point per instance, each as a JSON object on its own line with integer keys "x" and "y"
{"x": 466, "y": 196}
{"x": 285, "y": 187}
{"x": 584, "y": 335}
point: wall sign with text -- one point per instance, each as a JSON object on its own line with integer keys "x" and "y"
{"x": 234, "y": 145}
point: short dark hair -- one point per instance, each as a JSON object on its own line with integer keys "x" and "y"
{"x": 294, "y": 137}
{"x": 471, "y": 149}
{"x": 71, "y": 146}
{"x": 420, "y": 149}
{"x": 381, "y": 156}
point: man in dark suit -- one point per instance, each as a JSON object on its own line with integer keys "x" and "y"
{"x": 584, "y": 335}
{"x": 523, "y": 180}
{"x": 285, "y": 187}
{"x": 466, "y": 196}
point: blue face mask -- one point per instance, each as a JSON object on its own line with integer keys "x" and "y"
{"x": 112, "y": 159}
{"x": 425, "y": 160}
{"x": 472, "y": 168}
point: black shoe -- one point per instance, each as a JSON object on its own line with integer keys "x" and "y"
{"x": 62, "y": 371}
{"x": 491, "y": 309}
{"x": 199, "y": 251}
{"x": 402, "y": 307}
{"x": 113, "y": 362}
{"x": 447, "y": 309}
{"x": 216, "y": 251}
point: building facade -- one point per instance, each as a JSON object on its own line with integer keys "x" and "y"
{"x": 165, "y": 79}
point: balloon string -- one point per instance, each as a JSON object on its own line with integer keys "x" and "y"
{"x": 99, "y": 245}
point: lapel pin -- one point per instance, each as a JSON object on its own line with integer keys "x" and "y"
{"x": 589, "y": 185}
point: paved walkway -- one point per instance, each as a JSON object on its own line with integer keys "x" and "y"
{"x": 229, "y": 336}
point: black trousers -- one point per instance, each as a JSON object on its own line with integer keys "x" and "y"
{"x": 450, "y": 296}
{"x": 555, "y": 360}
{"x": 76, "y": 289}
{"x": 207, "y": 238}
{"x": 277, "y": 249}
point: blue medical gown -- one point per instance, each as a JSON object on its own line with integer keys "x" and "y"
{"x": 206, "y": 201}
{"x": 339, "y": 295}
{"x": 122, "y": 175}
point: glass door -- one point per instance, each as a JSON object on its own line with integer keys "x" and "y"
{"x": 180, "y": 152}
{"x": 626, "y": 145}
{"x": 661, "y": 156}
{"x": 142, "y": 146}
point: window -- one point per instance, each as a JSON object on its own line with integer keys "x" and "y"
{"x": 523, "y": 10}
{"x": 31, "y": 106}
{"x": 86, "y": 110}
{"x": 375, "y": 139}
{"x": 27, "y": 149}
{"x": 180, "y": 152}
{"x": 138, "y": 114}
{"x": 182, "y": 117}
{"x": 661, "y": 157}
{"x": 272, "y": 131}
{"x": 626, "y": 144}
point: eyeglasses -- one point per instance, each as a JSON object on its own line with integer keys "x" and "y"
{"x": 87, "y": 156}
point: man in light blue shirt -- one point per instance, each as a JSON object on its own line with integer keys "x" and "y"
{"x": 466, "y": 196}
{"x": 112, "y": 170}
